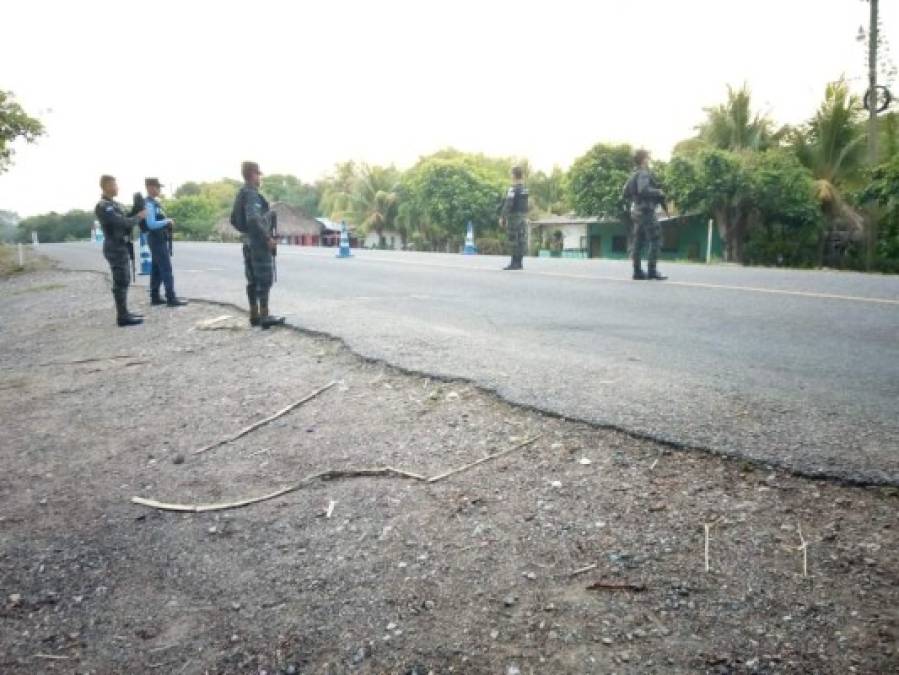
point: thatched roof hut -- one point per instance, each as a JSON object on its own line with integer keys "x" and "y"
{"x": 294, "y": 226}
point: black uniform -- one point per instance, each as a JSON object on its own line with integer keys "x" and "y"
{"x": 117, "y": 229}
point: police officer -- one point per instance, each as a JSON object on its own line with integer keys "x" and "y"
{"x": 251, "y": 216}
{"x": 645, "y": 194}
{"x": 117, "y": 228}
{"x": 513, "y": 217}
{"x": 159, "y": 229}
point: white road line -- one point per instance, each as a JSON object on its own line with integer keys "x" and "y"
{"x": 582, "y": 277}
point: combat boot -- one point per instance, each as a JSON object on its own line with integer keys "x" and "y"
{"x": 267, "y": 320}
{"x": 654, "y": 274}
{"x": 639, "y": 274}
{"x": 254, "y": 315}
{"x": 175, "y": 302}
{"x": 123, "y": 316}
{"x": 156, "y": 300}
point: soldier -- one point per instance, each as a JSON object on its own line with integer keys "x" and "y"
{"x": 513, "y": 217}
{"x": 644, "y": 193}
{"x": 252, "y": 218}
{"x": 159, "y": 229}
{"x": 117, "y": 229}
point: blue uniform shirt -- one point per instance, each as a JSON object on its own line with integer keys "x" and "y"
{"x": 153, "y": 222}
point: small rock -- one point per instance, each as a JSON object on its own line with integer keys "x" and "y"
{"x": 235, "y": 606}
{"x": 452, "y": 396}
{"x": 658, "y": 506}
{"x": 494, "y": 634}
{"x": 530, "y": 576}
{"x": 291, "y": 670}
{"x": 15, "y": 599}
{"x": 212, "y": 529}
{"x": 43, "y": 502}
{"x": 556, "y": 483}
{"x": 584, "y": 461}
{"x": 607, "y": 641}
{"x": 429, "y": 604}
{"x": 509, "y": 600}
{"x": 513, "y": 670}
{"x": 391, "y": 626}
{"x": 556, "y": 446}
{"x": 178, "y": 459}
{"x": 235, "y": 638}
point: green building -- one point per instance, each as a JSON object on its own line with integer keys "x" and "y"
{"x": 687, "y": 237}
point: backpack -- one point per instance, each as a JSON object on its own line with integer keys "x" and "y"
{"x": 239, "y": 213}
{"x": 629, "y": 191}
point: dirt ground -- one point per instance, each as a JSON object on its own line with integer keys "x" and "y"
{"x": 475, "y": 573}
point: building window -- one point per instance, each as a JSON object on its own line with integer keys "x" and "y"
{"x": 619, "y": 244}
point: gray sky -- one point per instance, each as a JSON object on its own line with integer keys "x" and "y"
{"x": 186, "y": 90}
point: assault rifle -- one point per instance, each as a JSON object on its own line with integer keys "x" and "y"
{"x": 137, "y": 205}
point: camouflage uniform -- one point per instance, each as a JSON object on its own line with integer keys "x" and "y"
{"x": 252, "y": 213}
{"x": 647, "y": 230}
{"x": 514, "y": 212}
{"x": 117, "y": 229}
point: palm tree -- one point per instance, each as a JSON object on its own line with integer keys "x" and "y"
{"x": 832, "y": 147}
{"x": 733, "y": 126}
{"x": 373, "y": 199}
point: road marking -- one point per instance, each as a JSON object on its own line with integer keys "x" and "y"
{"x": 581, "y": 277}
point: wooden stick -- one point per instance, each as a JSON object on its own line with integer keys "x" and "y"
{"x": 52, "y": 657}
{"x": 90, "y": 360}
{"x": 803, "y": 546}
{"x": 583, "y": 569}
{"x": 614, "y": 586}
{"x": 453, "y": 472}
{"x": 263, "y": 422}
{"x": 331, "y": 505}
{"x": 707, "y": 527}
{"x": 330, "y": 474}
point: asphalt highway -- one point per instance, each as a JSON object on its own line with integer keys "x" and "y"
{"x": 797, "y": 369}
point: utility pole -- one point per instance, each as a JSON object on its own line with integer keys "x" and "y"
{"x": 872, "y": 85}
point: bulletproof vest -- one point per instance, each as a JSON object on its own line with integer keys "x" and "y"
{"x": 519, "y": 199}
{"x": 108, "y": 232}
{"x": 160, "y": 212}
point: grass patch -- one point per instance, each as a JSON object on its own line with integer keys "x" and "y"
{"x": 38, "y": 289}
{"x": 9, "y": 261}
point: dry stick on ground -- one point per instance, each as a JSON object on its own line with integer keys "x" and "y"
{"x": 90, "y": 360}
{"x": 583, "y": 569}
{"x": 323, "y": 475}
{"x": 615, "y": 586}
{"x": 331, "y": 474}
{"x": 434, "y": 479}
{"x": 52, "y": 657}
{"x": 803, "y": 546}
{"x": 263, "y": 422}
{"x": 707, "y": 528}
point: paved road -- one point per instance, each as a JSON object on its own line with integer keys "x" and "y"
{"x": 796, "y": 368}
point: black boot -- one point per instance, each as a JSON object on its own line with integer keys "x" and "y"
{"x": 123, "y": 317}
{"x": 515, "y": 263}
{"x": 155, "y": 299}
{"x": 254, "y": 307}
{"x": 639, "y": 274}
{"x": 654, "y": 274}
{"x": 267, "y": 320}
{"x": 175, "y": 301}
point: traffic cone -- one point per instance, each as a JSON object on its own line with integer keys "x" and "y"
{"x": 145, "y": 264}
{"x": 344, "y": 251}
{"x": 470, "y": 248}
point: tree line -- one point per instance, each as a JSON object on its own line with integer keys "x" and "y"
{"x": 801, "y": 195}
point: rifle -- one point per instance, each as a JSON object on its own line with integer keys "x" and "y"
{"x": 273, "y": 231}
{"x": 170, "y": 239}
{"x": 137, "y": 205}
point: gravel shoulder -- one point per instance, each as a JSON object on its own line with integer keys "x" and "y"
{"x": 471, "y": 574}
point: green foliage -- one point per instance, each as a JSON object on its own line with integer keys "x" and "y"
{"x": 15, "y": 123}
{"x": 290, "y": 190}
{"x": 55, "y": 227}
{"x": 595, "y": 180}
{"x": 883, "y": 190}
{"x": 195, "y": 215}
{"x": 548, "y": 193}
{"x": 448, "y": 193}
{"x": 8, "y": 222}
{"x": 733, "y": 126}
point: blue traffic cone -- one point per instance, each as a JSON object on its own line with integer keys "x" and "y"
{"x": 470, "y": 248}
{"x": 344, "y": 251}
{"x": 145, "y": 265}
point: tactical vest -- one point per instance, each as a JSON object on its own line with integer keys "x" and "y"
{"x": 108, "y": 233}
{"x": 520, "y": 199}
